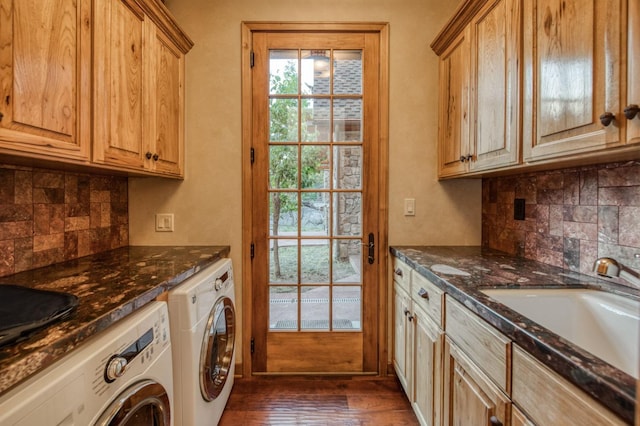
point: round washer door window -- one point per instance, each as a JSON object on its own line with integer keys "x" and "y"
{"x": 217, "y": 349}
{"x": 144, "y": 403}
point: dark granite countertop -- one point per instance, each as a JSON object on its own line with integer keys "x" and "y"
{"x": 491, "y": 269}
{"x": 110, "y": 286}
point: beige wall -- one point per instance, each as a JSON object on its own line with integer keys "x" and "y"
{"x": 207, "y": 204}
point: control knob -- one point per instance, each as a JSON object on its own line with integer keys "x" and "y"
{"x": 115, "y": 368}
{"x": 218, "y": 284}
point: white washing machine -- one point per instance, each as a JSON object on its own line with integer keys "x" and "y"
{"x": 203, "y": 326}
{"x": 121, "y": 376}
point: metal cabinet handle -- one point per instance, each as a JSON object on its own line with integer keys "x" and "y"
{"x": 631, "y": 111}
{"x": 423, "y": 293}
{"x": 607, "y": 118}
{"x": 494, "y": 421}
{"x": 148, "y": 155}
{"x": 155, "y": 157}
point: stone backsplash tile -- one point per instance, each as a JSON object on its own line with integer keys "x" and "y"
{"x": 49, "y": 216}
{"x": 578, "y": 215}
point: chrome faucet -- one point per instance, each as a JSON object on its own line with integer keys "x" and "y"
{"x": 609, "y": 267}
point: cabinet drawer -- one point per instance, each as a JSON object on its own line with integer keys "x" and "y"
{"x": 427, "y": 296}
{"x": 486, "y": 346}
{"x": 548, "y": 398}
{"x": 402, "y": 274}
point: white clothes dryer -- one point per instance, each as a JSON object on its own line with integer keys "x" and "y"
{"x": 203, "y": 326}
{"x": 122, "y": 376}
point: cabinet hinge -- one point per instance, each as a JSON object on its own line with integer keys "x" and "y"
{"x": 252, "y": 59}
{"x": 253, "y": 250}
{"x": 253, "y": 345}
{"x": 253, "y": 155}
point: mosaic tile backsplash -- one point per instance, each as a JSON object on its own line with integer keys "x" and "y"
{"x": 572, "y": 216}
{"x": 49, "y": 216}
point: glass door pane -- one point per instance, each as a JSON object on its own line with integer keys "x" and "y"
{"x": 315, "y": 190}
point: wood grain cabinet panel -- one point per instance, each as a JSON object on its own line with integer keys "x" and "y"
{"x": 470, "y": 397}
{"x": 45, "y": 79}
{"x": 633, "y": 73}
{"x": 427, "y": 375}
{"x": 139, "y": 93}
{"x": 548, "y": 399}
{"x": 403, "y": 337}
{"x": 495, "y": 44}
{"x": 571, "y": 58}
{"x": 488, "y": 348}
{"x": 453, "y": 116}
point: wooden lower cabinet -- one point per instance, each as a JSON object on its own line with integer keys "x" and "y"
{"x": 470, "y": 397}
{"x": 518, "y": 418}
{"x": 403, "y": 336}
{"x": 427, "y": 369}
{"x": 549, "y": 399}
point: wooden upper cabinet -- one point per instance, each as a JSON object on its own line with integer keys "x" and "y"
{"x": 167, "y": 105}
{"x": 479, "y": 88}
{"x": 45, "y": 79}
{"x": 633, "y": 73}
{"x": 495, "y": 43}
{"x": 453, "y": 114}
{"x": 139, "y": 89}
{"x": 571, "y": 59}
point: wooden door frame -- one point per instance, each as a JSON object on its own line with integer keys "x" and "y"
{"x": 248, "y": 28}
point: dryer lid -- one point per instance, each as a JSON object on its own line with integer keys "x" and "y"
{"x": 24, "y": 309}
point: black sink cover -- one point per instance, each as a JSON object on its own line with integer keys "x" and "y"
{"x": 24, "y": 309}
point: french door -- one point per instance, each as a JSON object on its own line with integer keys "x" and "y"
{"x": 315, "y": 202}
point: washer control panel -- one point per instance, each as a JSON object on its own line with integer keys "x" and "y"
{"x": 117, "y": 364}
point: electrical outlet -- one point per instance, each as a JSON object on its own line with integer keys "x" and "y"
{"x": 518, "y": 209}
{"x": 409, "y": 206}
{"x": 164, "y": 222}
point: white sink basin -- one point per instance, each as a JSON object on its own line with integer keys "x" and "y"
{"x": 604, "y": 324}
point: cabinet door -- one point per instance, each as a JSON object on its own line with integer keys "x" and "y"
{"x": 495, "y": 39}
{"x": 45, "y": 78}
{"x": 633, "y": 70}
{"x": 470, "y": 398}
{"x": 167, "y": 105}
{"x": 453, "y": 127}
{"x": 427, "y": 372}
{"x": 403, "y": 336}
{"x": 571, "y": 76}
{"x": 119, "y": 84}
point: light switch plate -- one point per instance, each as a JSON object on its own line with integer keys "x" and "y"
{"x": 164, "y": 222}
{"x": 409, "y": 206}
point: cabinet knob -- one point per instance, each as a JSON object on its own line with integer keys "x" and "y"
{"x": 155, "y": 157}
{"x": 631, "y": 111}
{"x": 398, "y": 272}
{"x": 607, "y": 118}
{"x": 423, "y": 293}
{"x": 410, "y": 318}
{"x": 462, "y": 158}
{"x": 494, "y": 421}
{"x": 148, "y": 155}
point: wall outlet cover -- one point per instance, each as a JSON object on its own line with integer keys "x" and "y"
{"x": 518, "y": 209}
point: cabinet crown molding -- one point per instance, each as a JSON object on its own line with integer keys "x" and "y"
{"x": 162, "y": 17}
{"x": 461, "y": 17}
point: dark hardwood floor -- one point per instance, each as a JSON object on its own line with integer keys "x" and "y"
{"x": 318, "y": 401}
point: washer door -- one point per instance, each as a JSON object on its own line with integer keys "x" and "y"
{"x": 217, "y": 348}
{"x": 144, "y": 403}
